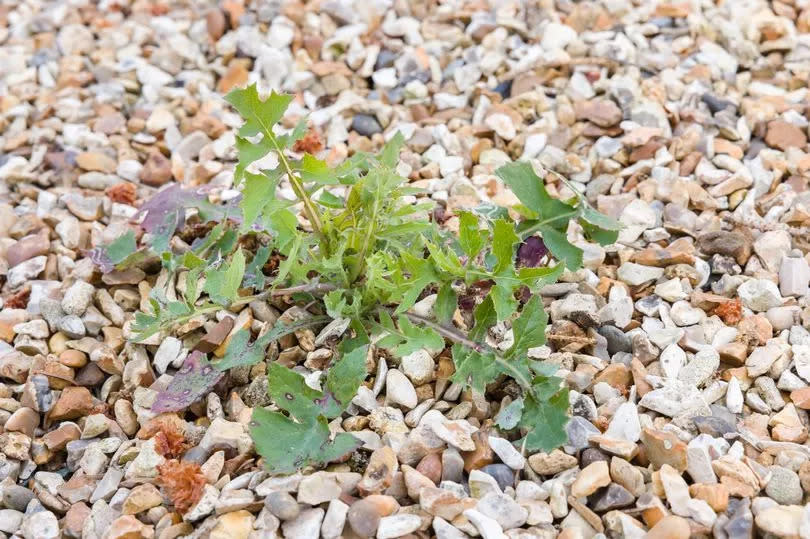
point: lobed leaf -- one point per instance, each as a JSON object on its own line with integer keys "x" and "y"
{"x": 288, "y": 446}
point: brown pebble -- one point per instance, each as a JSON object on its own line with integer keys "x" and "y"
{"x": 24, "y": 420}
{"x": 670, "y": 527}
{"x": 431, "y": 467}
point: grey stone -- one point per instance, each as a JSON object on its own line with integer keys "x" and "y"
{"x": 613, "y": 496}
{"x": 784, "y": 486}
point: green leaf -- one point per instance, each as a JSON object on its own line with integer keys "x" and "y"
{"x": 529, "y": 329}
{"x": 282, "y": 223}
{"x": 446, "y": 260}
{"x": 503, "y": 300}
{"x": 562, "y": 249}
{"x": 249, "y": 153}
{"x": 241, "y": 352}
{"x": 536, "y": 278}
{"x": 599, "y": 235}
{"x": 342, "y": 381}
{"x": 233, "y": 275}
{"x": 221, "y": 284}
{"x": 290, "y": 392}
{"x": 485, "y": 317}
{"x": 600, "y": 220}
{"x": 254, "y": 278}
{"x": 193, "y": 285}
{"x": 416, "y": 338}
{"x": 545, "y": 419}
{"x": 122, "y": 247}
{"x": 530, "y": 190}
{"x": 446, "y": 303}
{"x": 408, "y": 338}
{"x": 474, "y": 369}
{"x": 259, "y": 116}
{"x": 258, "y": 191}
{"x": 288, "y": 446}
{"x": 503, "y": 243}
{"x": 509, "y": 416}
{"x": 335, "y": 303}
{"x": 329, "y": 200}
{"x": 316, "y": 170}
{"x": 471, "y": 238}
{"x": 389, "y": 156}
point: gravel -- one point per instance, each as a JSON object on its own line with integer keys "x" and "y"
{"x": 685, "y": 345}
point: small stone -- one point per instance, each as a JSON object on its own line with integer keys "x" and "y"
{"x": 335, "y": 520}
{"x": 400, "y": 390}
{"x": 602, "y": 112}
{"x": 157, "y": 170}
{"x": 551, "y": 463}
{"x": 627, "y": 475}
{"x": 380, "y": 471}
{"x": 794, "y": 276}
{"x": 502, "y": 509}
{"x": 783, "y": 135}
{"x": 40, "y": 525}
{"x": 398, "y": 525}
{"x": 73, "y": 403}
{"x": 613, "y": 497}
{"x": 366, "y": 125}
{"x": 27, "y": 248}
{"x": 318, "y": 488}
{"x": 759, "y": 295}
{"x": 507, "y": 452}
{"x": 670, "y": 527}
{"x": 233, "y": 525}
{"x": 10, "y": 520}
{"x": 96, "y": 161}
{"x": 784, "y": 486}
{"x": 77, "y": 298}
{"x": 487, "y": 527}
{"x": 591, "y": 478}
{"x": 418, "y": 367}
{"x": 677, "y": 492}
{"x": 781, "y": 521}
{"x": 129, "y": 527}
{"x": 282, "y": 505}
{"x": 141, "y": 498}
{"x": 733, "y": 244}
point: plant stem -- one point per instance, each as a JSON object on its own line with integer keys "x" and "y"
{"x": 298, "y": 188}
{"x": 460, "y": 338}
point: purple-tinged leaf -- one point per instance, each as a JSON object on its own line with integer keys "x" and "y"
{"x": 194, "y": 379}
{"x": 531, "y": 252}
{"x": 167, "y": 207}
{"x": 99, "y": 257}
{"x": 165, "y": 212}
